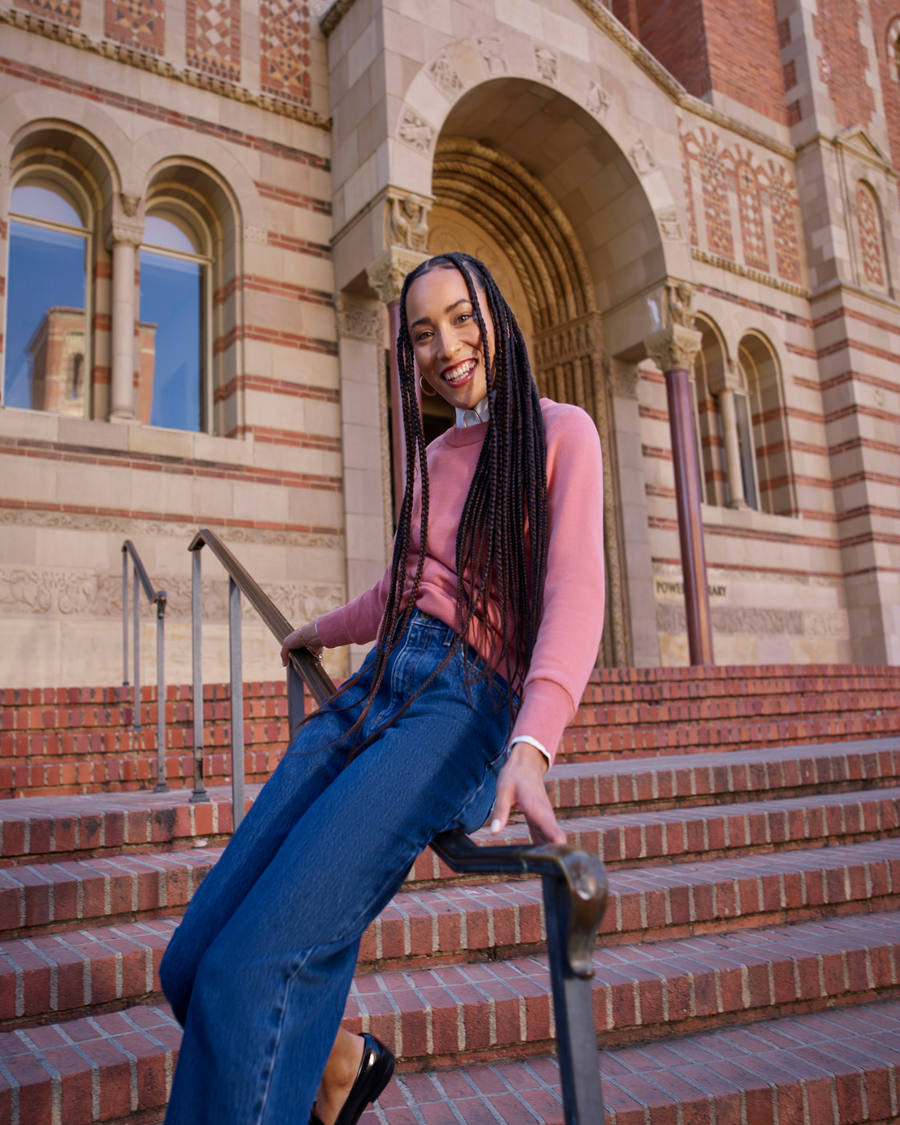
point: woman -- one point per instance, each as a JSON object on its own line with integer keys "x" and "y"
{"x": 457, "y": 710}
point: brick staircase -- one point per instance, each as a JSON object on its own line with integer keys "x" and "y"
{"x": 748, "y": 968}
{"x": 80, "y": 740}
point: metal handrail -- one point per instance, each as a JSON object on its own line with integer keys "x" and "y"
{"x": 574, "y": 881}
{"x": 157, "y": 598}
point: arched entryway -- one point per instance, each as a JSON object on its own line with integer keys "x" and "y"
{"x": 512, "y": 202}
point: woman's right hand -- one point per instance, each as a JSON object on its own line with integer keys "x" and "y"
{"x": 304, "y": 637}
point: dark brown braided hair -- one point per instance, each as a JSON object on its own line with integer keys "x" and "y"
{"x": 505, "y": 509}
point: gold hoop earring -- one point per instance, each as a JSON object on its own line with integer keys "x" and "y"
{"x": 426, "y": 390}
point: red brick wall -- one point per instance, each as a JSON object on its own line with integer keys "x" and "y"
{"x": 673, "y": 31}
{"x": 884, "y": 13}
{"x": 727, "y": 45}
{"x": 842, "y": 65}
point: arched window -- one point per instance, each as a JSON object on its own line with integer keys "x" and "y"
{"x": 173, "y": 381}
{"x": 764, "y": 441}
{"x": 46, "y": 312}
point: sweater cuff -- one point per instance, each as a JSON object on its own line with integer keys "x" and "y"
{"x": 332, "y": 630}
{"x": 546, "y": 710}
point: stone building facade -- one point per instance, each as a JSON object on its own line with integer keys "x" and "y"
{"x": 246, "y": 185}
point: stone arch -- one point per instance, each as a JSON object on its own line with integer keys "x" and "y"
{"x": 166, "y": 147}
{"x": 490, "y": 194}
{"x": 62, "y": 144}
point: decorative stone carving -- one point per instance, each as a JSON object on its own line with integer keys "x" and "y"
{"x": 679, "y": 297}
{"x": 388, "y": 272}
{"x": 597, "y": 101}
{"x": 623, "y": 378}
{"x": 545, "y": 61}
{"x": 673, "y": 348}
{"x": 489, "y": 49}
{"x": 408, "y": 222}
{"x": 642, "y": 158}
{"x": 669, "y": 226}
{"x": 64, "y": 593}
{"x": 127, "y": 223}
{"x": 567, "y": 342}
{"x": 257, "y": 235}
{"x": 415, "y": 131}
{"x": 358, "y": 320}
{"x": 443, "y": 74}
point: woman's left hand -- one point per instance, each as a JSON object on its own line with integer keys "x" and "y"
{"x": 521, "y": 786}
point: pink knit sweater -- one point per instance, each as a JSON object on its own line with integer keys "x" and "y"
{"x": 569, "y": 636}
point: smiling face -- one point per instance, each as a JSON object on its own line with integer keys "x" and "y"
{"x": 446, "y": 337}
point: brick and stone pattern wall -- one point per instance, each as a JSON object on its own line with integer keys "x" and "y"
{"x": 268, "y": 479}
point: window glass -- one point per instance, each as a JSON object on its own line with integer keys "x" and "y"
{"x": 170, "y": 235}
{"x": 748, "y": 453}
{"x": 45, "y": 356}
{"x": 42, "y": 202}
{"x": 171, "y": 315}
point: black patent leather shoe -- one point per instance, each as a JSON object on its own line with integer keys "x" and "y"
{"x": 375, "y": 1070}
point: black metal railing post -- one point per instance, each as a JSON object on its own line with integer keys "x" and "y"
{"x": 159, "y": 599}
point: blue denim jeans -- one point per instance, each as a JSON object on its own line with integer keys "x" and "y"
{"x": 259, "y": 970}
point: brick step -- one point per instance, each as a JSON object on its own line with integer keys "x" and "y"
{"x": 109, "y": 966}
{"x": 436, "y": 1016}
{"x": 598, "y": 710}
{"x": 35, "y": 898}
{"x": 40, "y": 765}
{"x": 77, "y": 826}
{"x": 473, "y": 1014}
{"x": 601, "y": 743}
{"x": 79, "y": 740}
{"x": 829, "y": 1068}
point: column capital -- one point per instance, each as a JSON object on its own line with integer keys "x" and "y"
{"x": 388, "y": 272}
{"x": 673, "y": 348}
{"x": 726, "y": 378}
{"x": 359, "y": 319}
{"x": 623, "y": 378}
{"x": 126, "y": 222}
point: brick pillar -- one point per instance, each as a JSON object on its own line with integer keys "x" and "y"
{"x": 673, "y": 350}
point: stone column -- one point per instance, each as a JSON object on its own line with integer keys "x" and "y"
{"x": 637, "y": 567}
{"x": 125, "y": 235}
{"x": 673, "y": 350}
{"x": 367, "y": 538}
{"x": 386, "y": 276}
{"x": 723, "y": 385}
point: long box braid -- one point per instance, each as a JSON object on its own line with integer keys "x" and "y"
{"x": 506, "y": 504}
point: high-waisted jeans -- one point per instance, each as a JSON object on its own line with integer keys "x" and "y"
{"x": 260, "y": 968}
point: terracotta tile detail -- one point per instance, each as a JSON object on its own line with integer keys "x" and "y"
{"x": 214, "y": 37}
{"x": 784, "y": 204}
{"x": 137, "y": 23}
{"x": 60, "y": 11}
{"x": 870, "y": 248}
{"x": 284, "y": 49}
{"x": 753, "y": 232}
